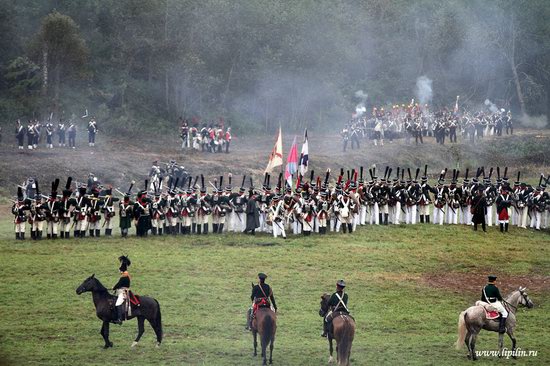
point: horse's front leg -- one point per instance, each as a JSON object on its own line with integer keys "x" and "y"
{"x": 105, "y": 333}
{"x": 254, "y": 335}
{"x": 141, "y": 329}
{"x": 330, "y": 359}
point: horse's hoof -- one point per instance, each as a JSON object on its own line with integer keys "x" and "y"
{"x": 158, "y": 345}
{"x": 134, "y": 343}
{"x": 330, "y": 359}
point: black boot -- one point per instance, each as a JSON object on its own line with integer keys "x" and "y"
{"x": 119, "y": 315}
{"x": 193, "y": 228}
{"x": 33, "y": 235}
{"x": 174, "y": 230}
{"x": 215, "y": 228}
{"x": 124, "y": 233}
{"x": 344, "y": 228}
{"x": 67, "y": 235}
{"x": 62, "y": 235}
{"x": 22, "y": 236}
{"x": 205, "y": 228}
{"x": 501, "y": 228}
{"x": 48, "y": 236}
{"x": 160, "y": 231}
{"x": 97, "y": 233}
{"x": 178, "y": 228}
{"x": 82, "y": 233}
{"x": 421, "y": 219}
{"x": 54, "y": 236}
{"x": 427, "y": 219}
{"x": 502, "y": 325}
{"x": 17, "y": 236}
{"x": 220, "y": 228}
{"x": 154, "y": 230}
{"x": 108, "y": 232}
{"x": 386, "y": 218}
{"x": 76, "y": 233}
{"x": 350, "y": 228}
{"x": 39, "y": 235}
{"x": 506, "y": 227}
{"x": 380, "y": 221}
{"x": 325, "y": 329}
{"x": 91, "y": 232}
{"x": 199, "y": 228}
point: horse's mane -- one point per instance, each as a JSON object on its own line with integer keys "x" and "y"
{"x": 100, "y": 287}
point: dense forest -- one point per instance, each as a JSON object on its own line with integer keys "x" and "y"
{"x": 139, "y": 65}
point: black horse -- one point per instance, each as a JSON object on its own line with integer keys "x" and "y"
{"x": 104, "y": 304}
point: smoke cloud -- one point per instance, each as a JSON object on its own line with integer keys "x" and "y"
{"x": 360, "y": 108}
{"x": 424, "y": 91}
{"x": 492, "y": 107}
{"x": 534, "y": 121}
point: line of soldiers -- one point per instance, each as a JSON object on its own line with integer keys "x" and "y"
{"x": 416, "y": 122}
{"x": 210, "y": 138}
{"x": 314, "y": 206}
{"x": 35, "y": 131}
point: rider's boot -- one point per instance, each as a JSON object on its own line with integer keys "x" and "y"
{"x": 501, "y": 325}
{"x": 119, "y": 314}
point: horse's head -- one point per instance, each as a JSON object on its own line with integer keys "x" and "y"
{"x": 87, "y": 285}
{"x": 524, "y": 298}
{"x": 324, "y": 304}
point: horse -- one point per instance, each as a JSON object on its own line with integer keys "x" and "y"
{"x": 473, "y": 319}
{"x": 265, "y": 323}
{"x": 104, "y": 303}
{"x": 343, "y": 331}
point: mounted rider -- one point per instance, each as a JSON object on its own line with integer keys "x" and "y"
{"x": 261, "y": 296}
{"x": 490, "y": 294}
{"x": 338, "y": 303}
{"x": 122, "y": 287}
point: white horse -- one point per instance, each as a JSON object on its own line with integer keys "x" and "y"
{"x": 472, "y": 320}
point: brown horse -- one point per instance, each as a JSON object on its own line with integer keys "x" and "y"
{"x": 472, "y": 320}
{"x": 343, "y": 331}
{"x": 103, "y": 301}
{"x": 265, "y": 323}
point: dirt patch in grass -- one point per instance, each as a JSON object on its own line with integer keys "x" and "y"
{"x": 458, "y": 282}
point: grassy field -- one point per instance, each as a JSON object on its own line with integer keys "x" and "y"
{"x": 406, "y": 285}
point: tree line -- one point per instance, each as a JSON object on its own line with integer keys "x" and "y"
{"x": 264, "y": 63}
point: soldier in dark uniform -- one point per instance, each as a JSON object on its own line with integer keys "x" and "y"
{"x": 479, "y": 206}
{"x": 142, "y": 213}
{"x": 490, "y": 294}
{"x": 20, "y": 135}
{"x": 260, "y": 297}
{"x": 72, "y": 135}
{"x": 125, "y": 213}
{"x": 121, "y": 288}
{"x": 252, "y": 214}
{"x": 92, "y": 131}
{"x": 19, "y": 210}
{"x": 61, "y": 129}
{"x": 338, "y": 303}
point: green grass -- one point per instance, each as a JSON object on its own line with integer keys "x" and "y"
{"x": 203, "y": 286}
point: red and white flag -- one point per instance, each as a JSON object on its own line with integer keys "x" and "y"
{"x": 291, "y": 163}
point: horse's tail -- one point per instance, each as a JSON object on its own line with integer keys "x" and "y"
{"x": 462, "y": 329}
{"x": 158, "y": 318}
{"x": 345, "y": 341}
{"x": 268, "y": 328}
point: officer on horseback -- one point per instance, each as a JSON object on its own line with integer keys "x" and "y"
{"x": 490, "y": 294}
{"x": 261, "y": 296}
{"x": 121, "y": 288}
{"x": 338, "y": 303}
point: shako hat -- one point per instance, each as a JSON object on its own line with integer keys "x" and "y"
{"x": 124, "y": 263}
{"x": 341, "y": 283}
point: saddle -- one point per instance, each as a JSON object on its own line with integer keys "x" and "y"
{"x": 490, "y": 312}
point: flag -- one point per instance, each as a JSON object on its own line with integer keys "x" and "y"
{"x": 291, "y": 163}
{"x": 276, "y": 156}
{"x": 304, "y": 156}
